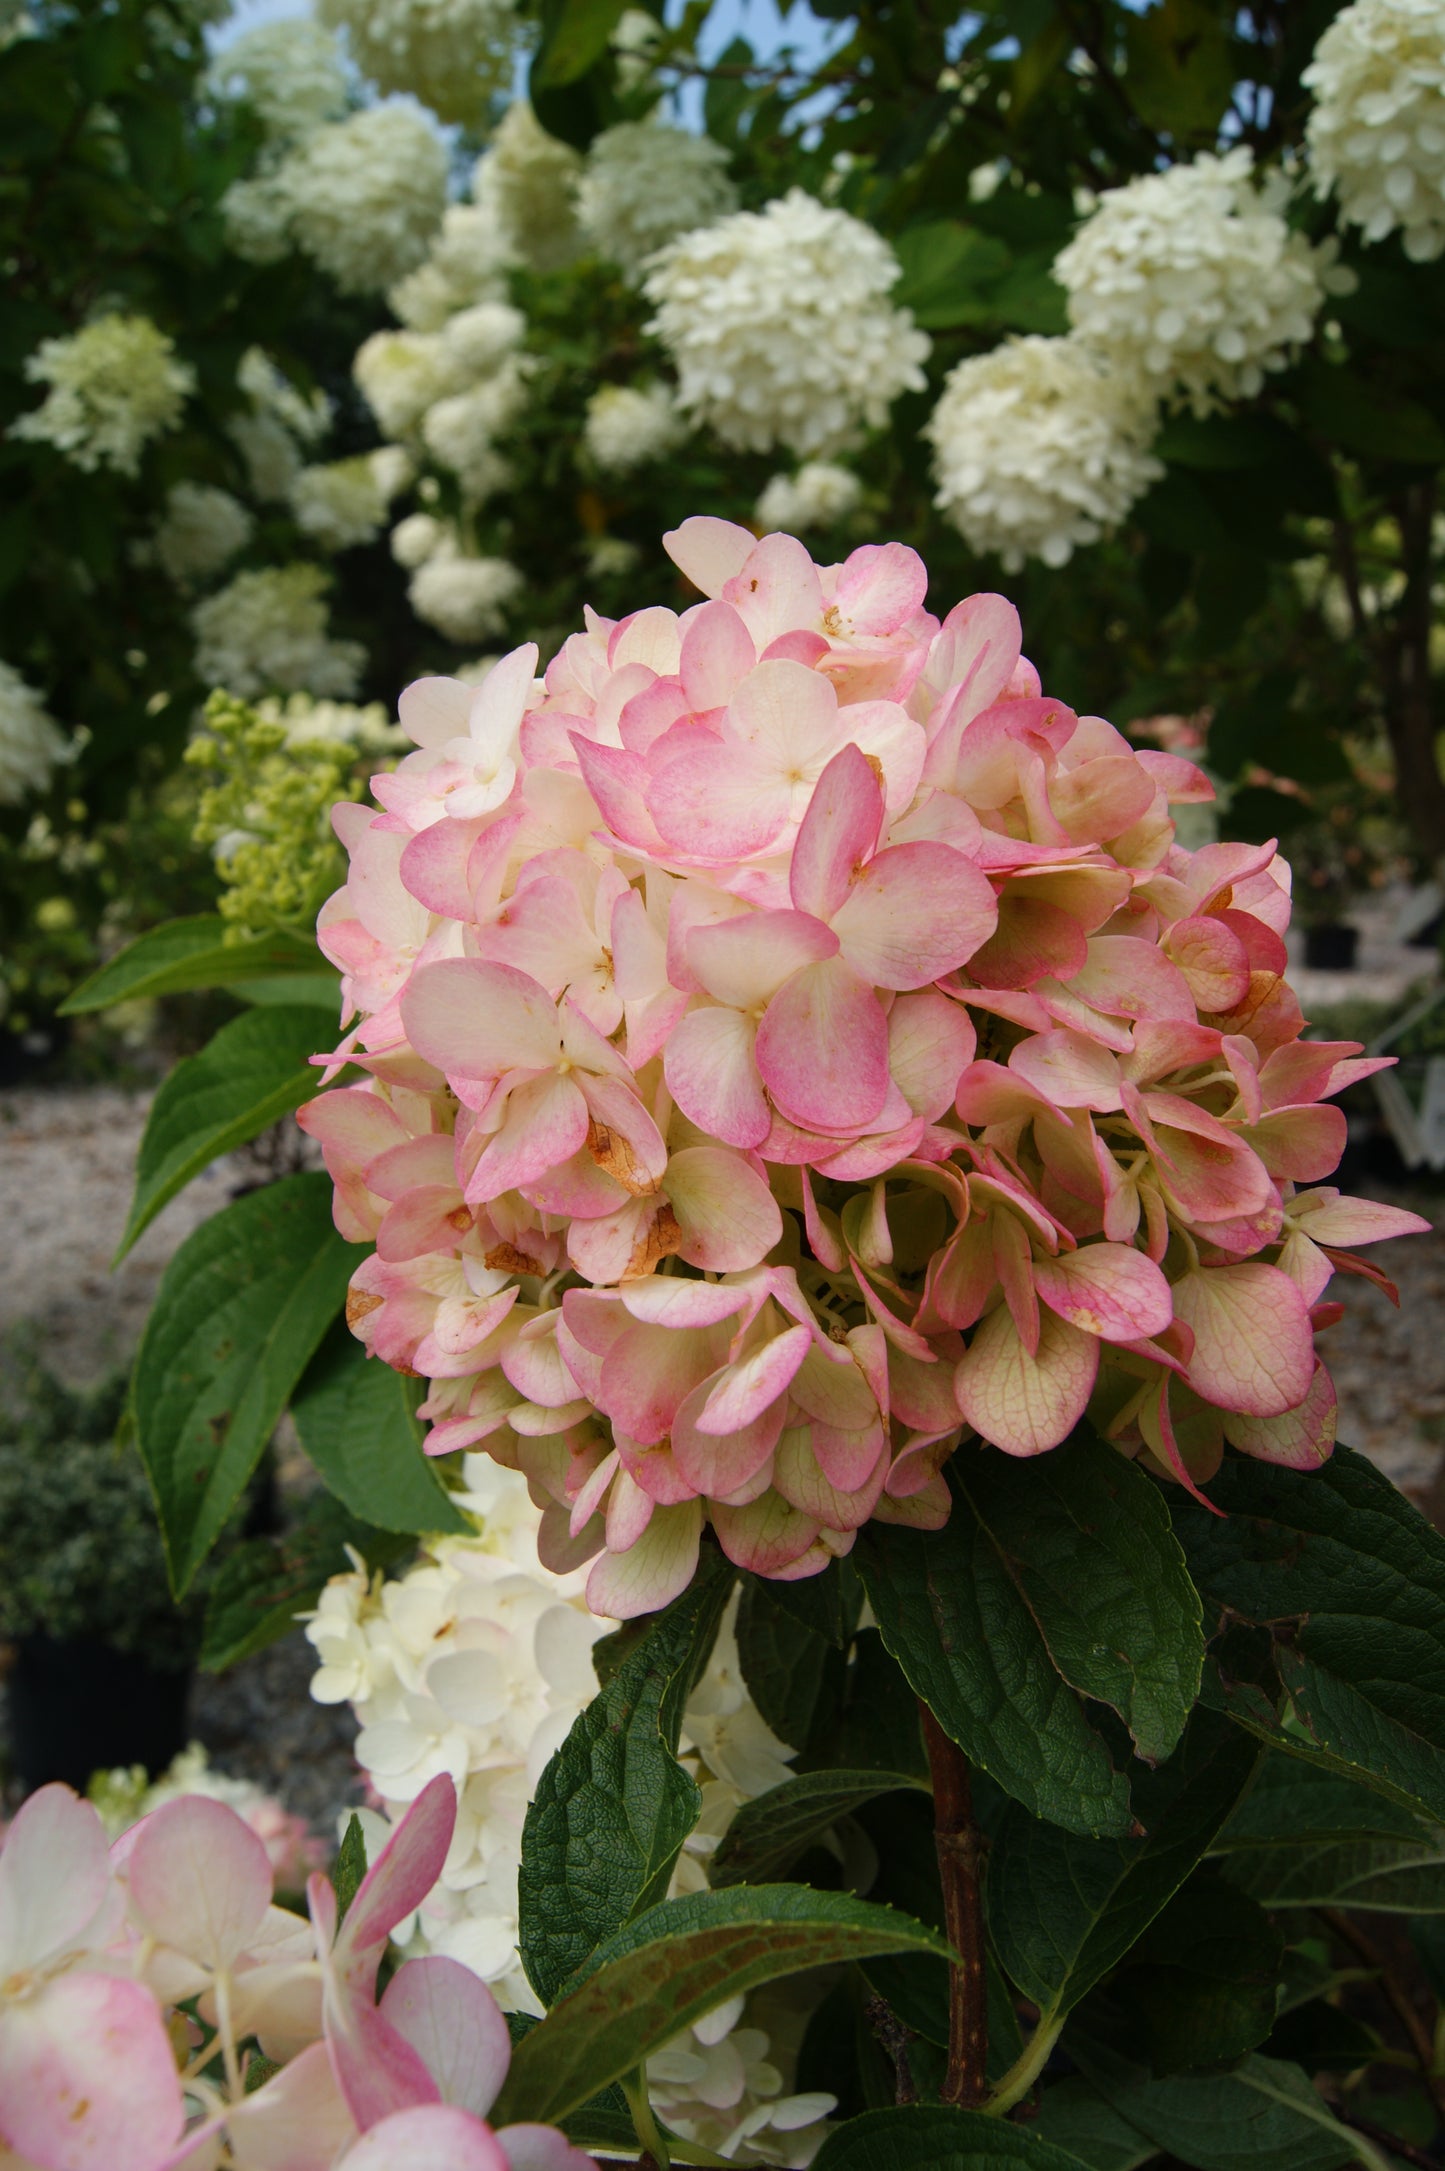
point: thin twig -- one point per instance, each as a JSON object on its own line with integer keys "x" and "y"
{"x": 1398, "y": 1999}
{"x": 1405, "y": 2150}
{"x": 960, "y": 1860}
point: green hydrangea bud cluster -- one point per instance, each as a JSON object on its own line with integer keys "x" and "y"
{"x": 265, "y": 812}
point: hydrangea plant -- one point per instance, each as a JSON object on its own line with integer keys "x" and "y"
{"x": 798, "y": 1105}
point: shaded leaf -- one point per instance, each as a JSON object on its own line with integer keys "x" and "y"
{"x": 943, "y": 2140}
{"x": 1263, "y": 2116}
{"x": 1347, "y": 409}
{"x": 771, "y": 1830}
{"x": 785, "y": 1665}
{"x": 252, "y": 1073}
{"x": 1202, "y": 1984}
{"x": 675, "y": 1963}
{"x": 239, "y": 1313}
{"x": 260, "y": 1586}
{"x": 357, "y": 1421}
{"x": 187, "y": 954}
{"x": 613, "y": 1807}
{"x": 1180, "y": 75}
{"x": 1074, "y": 2116}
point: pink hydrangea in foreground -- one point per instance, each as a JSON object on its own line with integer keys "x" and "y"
{"x": 102, "y": 2070}
{"x": 798, "y": 1046}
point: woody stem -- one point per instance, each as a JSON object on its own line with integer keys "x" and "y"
{"x": 960, "y": 1864}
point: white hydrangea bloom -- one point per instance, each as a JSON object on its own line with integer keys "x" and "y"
{"x": 416, "y": 539}
{"x": 818, "y": 496}
{"x": 525, "y": 184}
{"x": 780, "y": 326}
{"x": 1193, "y": 279}
{"x": 467, "y": 263}
{"x": 1376, "y": 135}
{"x": 401, "y": 375}
{"x": 345, "y": 502}
{"x": 114, "y": 386}
{"x": 628, "y": 425}
{"x": 717, "y": 2086}
{"x": 454, "y": 55}
{"x": 307, "y": 415}
{"x": 291, "y": 72}
{"x": 202, "y": 530}
{"x": 363, "y": 197}
{"x": 271, "y": 454}
{"x": 478, "y": 339}
{"x": 267, "y": 631}
{"x": 644, "y": 183}
{"x": 1038, "y": 448}
{"x": 465, "y": 598}
{"x": 612, "y": 557}
{"x": 461, "y": 432}
{"x": 308, "y": 722}
{"x": 32, "y": 744}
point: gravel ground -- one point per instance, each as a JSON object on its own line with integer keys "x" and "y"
{"x": 66, "y": 1161}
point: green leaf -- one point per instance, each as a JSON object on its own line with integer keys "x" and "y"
{"x": 675, "y": 1963}
{"x": 357, "y": 1421}
{"x": 1226, "y": 443}
{"x": 187, "y": 954}
{"x": 1063, "y": 1910}
{"x": 349, "y": 1868}
{"x": 769, "y": 1831}
{"x": 255, "y": 1071}
{"x": 944, "y": 265}
{"x": 576, "y": 35}
{"x": 1180, "y": 75}
{"x": 942, "y": 2140}
{"x": 1263, "y": 2116}
{"x": 828, "y": 1604}
{"x": 614, "y": 1806}
{"x": 239, "y": 1313}
{"x": 314, "y": 990}
{"x": 1201, "y": 1987}
{"x": 1376, "y": 423}
{"x": 1343, "y": 1555}
{"x": 1074, "y": 2116}
{"x": 784, "y": 1664}
{"x": 261, "y": 1585}
{"x": 1050, "y": 1584}
{"x": 1307, "y": 1838}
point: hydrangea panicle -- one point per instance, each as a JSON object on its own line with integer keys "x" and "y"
{"x": 1376, "y": 134}
{"x": 800, "y": 1050}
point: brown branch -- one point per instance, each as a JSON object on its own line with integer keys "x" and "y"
{"x": 960, "y": 1862}
{"x": 1397, "y": 1997}
{"x": 1405, "y": 2150}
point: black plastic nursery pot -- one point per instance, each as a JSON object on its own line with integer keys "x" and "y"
{"x": 1331, "y": 946}
{"x": 78, "y": 1707}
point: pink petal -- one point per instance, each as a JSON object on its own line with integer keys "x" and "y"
{"x": 1213, "y": 960}
{"x": 753, "y": 1383}
{"x": 717, "y": 650}
{"x": 1301, "y": 1439}
{"x": 200, "y": 1880}
{"x": 655, "y": 1570}
{"x": 1300, "y": 1145}
{"x": 433, "y": 710}
{"x": 1026, "y": 1404}
{"x": 541, "y": 2148}
{"x": 297, "y": 2122}
{"x": 87, "y": 2079}
{"x": 404, "y": 1872}
{"x": 1069, "y": 1069}
{"x": 1101, "y": 798}
{"x": 709, "y": 552}
{"x": 822, "y": 1048}
{"x": 745, "y": 961}
{"x": 776, "y": 590}
{"x": 433, "y": 2137}
{"x": 1108, "y": 1290}
{"x": 54, "y": 1878}
{"x": 769, "y": 1535}
{"x": 712, "y": 1074}
{"x": 722, "y": 1464}
{"x": 1034, "y": 937}
{"x": 727, "y": 1216}
{"x": 800, "y": 1481}
{"x": 1360, "y": 1221}
{"x": 916, "y": 912}
{"x": 450, "y": 2017}
{"x": 931, "y": 1042}
{"x": 478, "y": 1020}
{"x": 546, "y": 1123}
{"x": 648, "y": 1373}
{"x": 720, "y": 801}
{"x": 837, "y": 834}
{"x": 881, "y": 587}
{"x": 1253, "y": 1345}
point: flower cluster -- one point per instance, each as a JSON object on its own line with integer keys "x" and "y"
{"x": 277, "y": 422}
{"x": 346, "y": 502}
{"x": 130, "y": 1974}
{"x": 201, "y": 530}
{"x": 475, "y": 1663}
{"x": 466, "y": 263}
{"x": 819, "y": 495}
{"x": 795, "y": 1040}
{"x": 114, "y": 386}
{"x": 1376, "y": 135}
{"x": 454, "y": 55}
{"x": 645, "y": 183}
{"x": 1037, "y": 449}
{"x": 628, "y": 426}
{"x": 465, "y": 598}
{"x": 526, "y": 185}
{"x": 266, "y": 632}
{"x": 780, "y": 327}
{"x": 290, "y": 73}
{"x": 362, "y": 197}
{"x": 1192, "y": 280}
{"x": 32, "y": 744}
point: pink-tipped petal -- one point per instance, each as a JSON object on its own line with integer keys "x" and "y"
{"x": 477, "y": 1020}
{"x": 1021, "y": 1403}
{"x": 837, "y": 835}
{"x": 87, "y": 2079}
{"x": 711, "y": 1071}
{"x": 822, "y": 1048}
{"x": 1253, "y": 1348}
{"x": 54, "y": 1878}
{"x": 200, "y": 1880}
{"x": 450, "y": 2017}
{"x": 433, "y": 2137}
{"x": 1108, "y": 1290}
{"x": 916, "y": 912}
